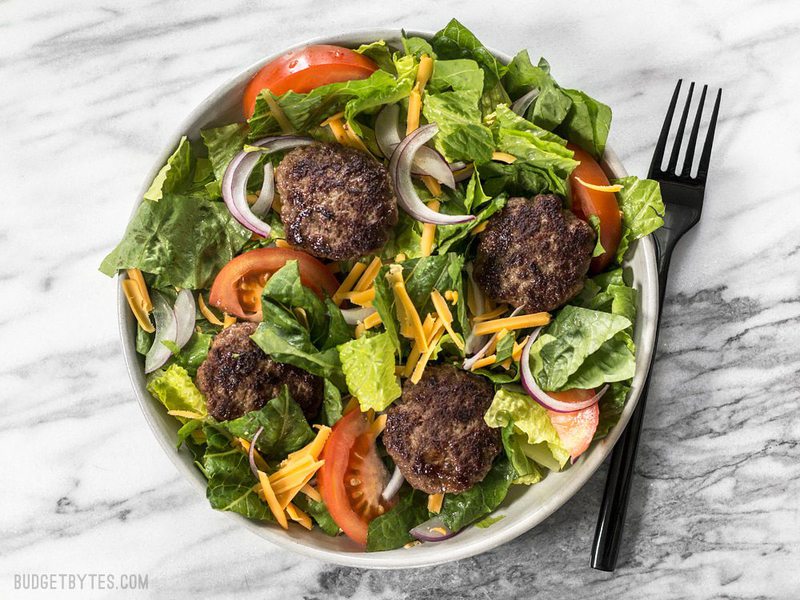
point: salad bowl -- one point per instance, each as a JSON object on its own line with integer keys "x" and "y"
{"x": 525, "y": 506}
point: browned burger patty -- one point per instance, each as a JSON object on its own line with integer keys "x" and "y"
{"x": 337, "y": 202}
{"x": 237, "y": 377}
{"x": 533, "y": 254}
{"x": 436, "y": 433}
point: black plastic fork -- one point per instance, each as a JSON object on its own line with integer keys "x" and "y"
{"x": 683, "y": 199}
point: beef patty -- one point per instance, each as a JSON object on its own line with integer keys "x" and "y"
{"x": 238, "y": 377}
{"x": 534, "y": 254}
{"x": 336, "y": 202}
{"x": 436, "y": 433}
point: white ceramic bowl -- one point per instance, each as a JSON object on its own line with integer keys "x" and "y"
{"x": 524, "y": 507}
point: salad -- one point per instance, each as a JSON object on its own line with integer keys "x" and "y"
{"x": 392, "y": 290}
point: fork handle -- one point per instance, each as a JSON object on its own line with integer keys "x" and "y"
{"x": 611, "y": 519}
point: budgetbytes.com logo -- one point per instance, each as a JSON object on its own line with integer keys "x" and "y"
{"x": 80, "y": 581}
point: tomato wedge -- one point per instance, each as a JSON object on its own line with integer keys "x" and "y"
{"x": 353, "y": 476}
{"x": 575, "y": 429}
{"x": 237, "y": 287}
{"x": 586, "y": 202}
{"x": 303, "y": 70}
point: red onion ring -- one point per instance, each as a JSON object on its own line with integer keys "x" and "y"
{"x": 424, "y": 532}
{"x": 353, "y": 315}
{"x": 394, "y": 485}
{"x": 251, "y": 452}
{"x": 534, "y": 391}
{"x": 522, "y": 103}
{"x": 427, "y": 161}
{"x": 264, "y": 202}
{"x": 185, "y": 315}
{"x": 234, "y": 181}
{"x": 166, "y": 331}
{"x": 400, "y": 168}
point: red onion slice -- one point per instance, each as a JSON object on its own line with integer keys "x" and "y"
{"x": 166, "y": 331}
{"x": 251, "y": 453}
{"x": 394, "y": 485}
{"x": 535, "y": 392}
{"x": 400, "y": 168}
{"x": 425, "y": 531}
{"x": 264, "y": 202}
{"x": 185, "y": 314}
{"x": 427, "y": 161}
{"x": 234, "y": 181}
{"x": 522, "y": 103}
{"x": 353, "y": 315}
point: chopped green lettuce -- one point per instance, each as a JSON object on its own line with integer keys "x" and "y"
{"x": 391, "y": 529}
{"x": 368, "y": 365}
{"x": 515, "y": 408}
{"x": 642, "y": 209}
{"x": 222, "y": 144}
{"x": 175, "y": 389}
{"x": 182, "y": 239}
{"x": 285, "y": 428}
{"x": 176, "y": 175}
{"x": 459, "y": 510}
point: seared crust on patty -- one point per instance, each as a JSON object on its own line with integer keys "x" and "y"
{"x": 436, "y": 433}
{"x": 534, "y": 254}
{"x": 238, "y": 377}
{"x": 337, "y": 202}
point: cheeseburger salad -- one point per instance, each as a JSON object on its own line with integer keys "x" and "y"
{"x": 391, "y": 290}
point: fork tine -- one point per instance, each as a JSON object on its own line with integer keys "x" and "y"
{"x": 687, "y": 162}
{"x": 658, "y": 155}
{"x": 705, "y": 157}
{"x": 676, "y": 147}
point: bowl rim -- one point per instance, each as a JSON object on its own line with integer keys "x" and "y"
{"x": 153, "y": 412}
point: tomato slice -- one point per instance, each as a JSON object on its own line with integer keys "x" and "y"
{"x": 575, "y": 429}
{"x": 303, "y": 70}
{"x": 586, "y": 202}
{"x": 237, "y": 287}
{"x": 353, "y": 476}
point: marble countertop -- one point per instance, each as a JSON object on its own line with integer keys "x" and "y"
{"x": 90, "y": 92}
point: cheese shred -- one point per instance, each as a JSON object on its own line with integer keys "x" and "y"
{"x": 512, "y": 323}
{"x": 348, "y": 283}
{"x": 435, "y": 503}
{"x": 429, "y": 232}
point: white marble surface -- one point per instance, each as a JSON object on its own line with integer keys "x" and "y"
{"x": 90, "y": 91}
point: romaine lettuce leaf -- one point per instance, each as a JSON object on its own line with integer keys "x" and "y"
{"x": 641, "y": 205}
{"x": 319, "y": 512}
{"x": 368, "y": 365}
{"x": 285, "y": 426}
{"x": 222, "y": 144}
{"x": 182, "y": 239}
{"x": 231, "y": 484}
{"x": 587, "y": 123}
{"x": 456, "y": 41}
{"x": 175, "y": 389}
{"x": 528, "y": 418}
{"x": 528, "y": 472}
{"x": 380, "y": 53}
{"x": 192, "y": 355}
{"x": 391, "y": 530}
{"x": 578, "y": 333}
{"x": 176, "y": 175}
{"x": 459, "y": 510}
{"x": 451, "y": 238}
{"x": 611, "y": 405}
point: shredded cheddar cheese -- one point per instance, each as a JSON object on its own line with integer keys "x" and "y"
{"x": 136, "y": 275}
{"x": 504, "y": 157}
{"x": 314, "y": 448}
{"x": 435, "y": 503}
{"x": 186, "y": 414}
{"x": 370, "y": 273}
{"x": 337, "y": 128}
{"x": 410, "y": 323}
{"x": 372, "y": 321}
{"x": 479, "y": 228}
{"x": 364, "y": 298}
{"x": 228, "y": 321}
{"x": 377, "y": 426}
{"x": 484, "y": 362}
{"x": 511, "y": 323}
{"x": 354, "y": 140}
{"x": 206, "y": 312}
{"x": 282, "y": 244}
{"x": 599, "y": 188}
{"x": 348, "y": 283}
{"x": 272, "y": 500}
{"x": 434, "y": 187}
{"x": 516, "y": 352}
{"x": 134, "y": 297}
{"x": 446, "y": 317}
{"x": 429, "y": 232}
{"x": 414, "y": 109}
{"x": 334, "y": 117}
{"x": 451, "y": 296}
{"x": 492, "y": 314}
{"x": 310, "y": 491}
{"x": 424, "y": 71}
{"x": 298, "y": 516}
{"x": 360, "y": 329}
{"x": 400, "y": 258}
{"x": 423, "y": 361}
{"x": 413, "y": 357}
